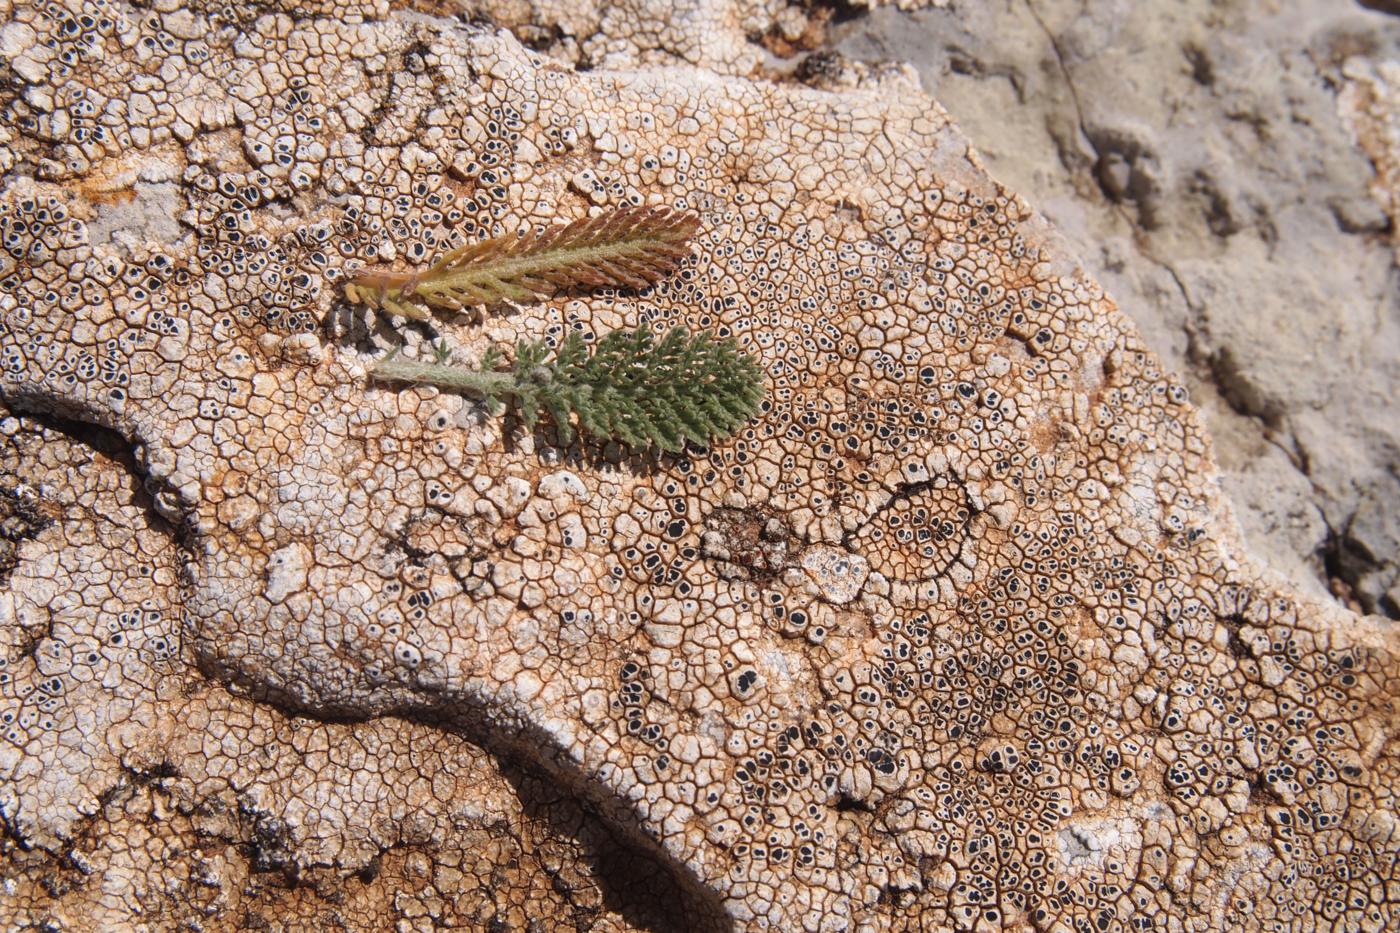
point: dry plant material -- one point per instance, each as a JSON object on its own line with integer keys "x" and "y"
{"x": 630, "y": 247}
{"x": 633, "y": 386}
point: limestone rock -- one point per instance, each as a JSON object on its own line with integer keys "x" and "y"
{"x": 1200, "y": 157}
{"x": 1370, "y": 104}
{"x": 958, "y": 633}
{"x": 733, "y": 37}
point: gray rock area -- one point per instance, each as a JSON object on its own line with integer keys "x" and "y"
{"x": 1194, "y": 156}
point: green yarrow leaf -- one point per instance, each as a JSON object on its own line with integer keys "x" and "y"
{"x": 635, "y": 387}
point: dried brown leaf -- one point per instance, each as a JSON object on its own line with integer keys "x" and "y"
{"x": 631, "y": 247}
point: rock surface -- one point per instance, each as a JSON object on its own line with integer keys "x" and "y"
{"x": 1203, "y": 159}
{"x": 959, "y": 633}
{"x": 633, "y": 33}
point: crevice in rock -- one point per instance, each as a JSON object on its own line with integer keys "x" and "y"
{"x": 530, "y": 758}
{"x": 1346, "y": 561}
{"x": 640, "y": 889}
{"x": 840, "y": 11}
{"x": 24, "y": 514}
{"x": 747, "y": 544}
{"x": 845, "y": 803}
{"x": 527, "y": 752}
{"x": 701, "y": 906}
{"x": 115, "y": 446}
{"x": 1391, "y": 7}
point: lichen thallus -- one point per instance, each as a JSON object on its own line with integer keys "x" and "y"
{"x": 635, "y": 386}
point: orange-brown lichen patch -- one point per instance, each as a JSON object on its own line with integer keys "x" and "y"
{"x": 97, "y": 193}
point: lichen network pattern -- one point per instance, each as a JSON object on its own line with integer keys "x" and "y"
{"x": 956, "y": 633}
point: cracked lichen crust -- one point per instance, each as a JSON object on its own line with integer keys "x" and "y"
{"x": 725, "y": 36}
{"x": 956, "y": 633}
{"x": 734, "y": 37}
{"x": 156, "y": 799}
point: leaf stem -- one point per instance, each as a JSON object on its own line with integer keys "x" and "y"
{"x": 632, "y": 386}
{"x": 492, "y": 386}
